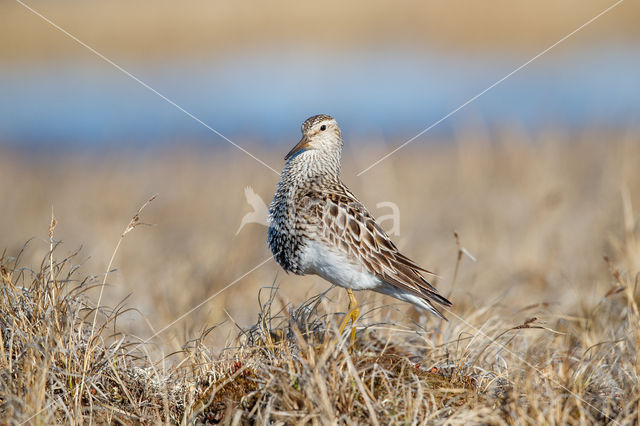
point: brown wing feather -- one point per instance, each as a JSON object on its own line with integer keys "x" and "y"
{"x": 351, "y": 229}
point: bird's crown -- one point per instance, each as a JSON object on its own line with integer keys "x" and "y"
{"x": 311, "y": 122}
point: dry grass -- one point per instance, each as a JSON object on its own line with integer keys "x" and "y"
{"x": 289, "y": 368}
{"x": 543, "y": 329}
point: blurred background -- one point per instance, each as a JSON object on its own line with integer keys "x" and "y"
{"x": 532, "y": 174}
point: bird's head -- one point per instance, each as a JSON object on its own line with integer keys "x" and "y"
{"x": 319, "y": 133}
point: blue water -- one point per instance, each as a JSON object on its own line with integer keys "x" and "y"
{"x": 265, "y": 95}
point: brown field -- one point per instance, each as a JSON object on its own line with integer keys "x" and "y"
{"x": 122, "y": 29}
{"x": 542, "y": 330}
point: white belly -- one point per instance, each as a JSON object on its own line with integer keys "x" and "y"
{"x": 336, "y": 268}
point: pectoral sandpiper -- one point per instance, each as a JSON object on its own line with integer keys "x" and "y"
{"x": 317, "y": 226}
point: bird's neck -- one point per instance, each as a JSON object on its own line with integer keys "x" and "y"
{"x": 312, "y": 165}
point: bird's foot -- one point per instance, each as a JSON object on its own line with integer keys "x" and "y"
{"x": 354, "y": 313}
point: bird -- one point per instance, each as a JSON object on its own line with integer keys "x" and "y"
{"x": 318, "y": 226}
{"x": 259, "y": 214}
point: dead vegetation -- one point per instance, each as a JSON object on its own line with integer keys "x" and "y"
{"x": 291, "y": 367}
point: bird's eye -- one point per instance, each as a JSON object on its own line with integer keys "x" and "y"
{"x": 323, "y": 127}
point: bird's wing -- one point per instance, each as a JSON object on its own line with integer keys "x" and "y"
{"x": 350, "y": 228}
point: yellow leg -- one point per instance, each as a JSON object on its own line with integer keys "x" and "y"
{"x": 354, "y": 313}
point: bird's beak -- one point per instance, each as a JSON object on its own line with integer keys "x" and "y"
{"x": 301, "y": 146}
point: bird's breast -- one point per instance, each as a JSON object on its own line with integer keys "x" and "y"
{"x": 282, "y": 238}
